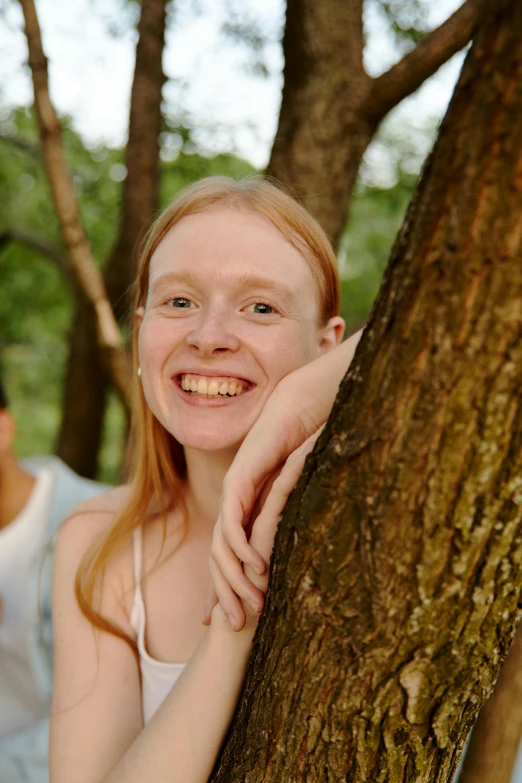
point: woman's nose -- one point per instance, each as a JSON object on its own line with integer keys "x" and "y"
{"x": 213, "y": 332}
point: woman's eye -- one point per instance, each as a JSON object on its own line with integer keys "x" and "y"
{"x": 261, "y": 308}
{"x": 179, "y": 302}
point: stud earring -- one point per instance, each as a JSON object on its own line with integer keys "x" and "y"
{"x": 139, "y": 372}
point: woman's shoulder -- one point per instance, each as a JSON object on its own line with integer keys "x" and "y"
{"x": 88, "y": 521}
{"x": 79, "y": 532}
{"x": 107, "y": 503}
{"x": 95, "y": 514}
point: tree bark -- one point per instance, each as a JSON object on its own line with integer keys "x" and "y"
{"x": 395, "y": 584}
{"x": 87, "y": 277}
{"x": 140, "y": 189}
{"x": 86, "y": 388}
{"x": 331, "y": 108}
{"x": 84, "y": 403}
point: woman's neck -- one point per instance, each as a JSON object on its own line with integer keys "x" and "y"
{"x": 205, "y": 473}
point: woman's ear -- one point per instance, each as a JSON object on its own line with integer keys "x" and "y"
{"x": 331, "y": 334}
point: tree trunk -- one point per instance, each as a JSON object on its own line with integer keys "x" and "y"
{"x": 140, "y": 189}
{"x": 85, "y": 392}
{"x": 395, "y": 585}
{"x": 331, "y": 108}
{"x": 86, "y": 384}
{"x": 321, "y": 135}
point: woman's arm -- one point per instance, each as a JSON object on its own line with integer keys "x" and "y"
{"x": 182, "y": 741}
{"x": 298, "y": 407}
{"x": 96, "y": 725}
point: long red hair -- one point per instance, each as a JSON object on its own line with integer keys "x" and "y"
{"x": 157, "y": 465}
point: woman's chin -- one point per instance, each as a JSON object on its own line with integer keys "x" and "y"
{"x": 210, "y": 440}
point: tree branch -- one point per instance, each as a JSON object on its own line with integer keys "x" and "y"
{"x": 406, "y": 76}
{"x": 86, "y": 274}
{"x": 496, "y": 735}
{"x": 39, "y": 245}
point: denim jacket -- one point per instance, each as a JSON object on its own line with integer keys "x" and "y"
{"x": 23, "y": 756}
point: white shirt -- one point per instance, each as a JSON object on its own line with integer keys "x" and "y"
{"x": 20, "y": 542}
{"x": 157, "y": 677}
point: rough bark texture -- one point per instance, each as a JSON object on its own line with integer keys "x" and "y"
{"x": 495, "y": 739}
{"x": 84, "y": 403}
{"x": 331, "y": 108}
{"x": 86, "y": 275}
{"x": 395, "y": 588}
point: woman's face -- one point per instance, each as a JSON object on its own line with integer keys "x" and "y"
{"x": 231, "y": 304}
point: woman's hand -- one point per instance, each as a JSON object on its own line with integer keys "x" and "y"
{"x": 225, "y": 567}
{"x": 294, "y": 413}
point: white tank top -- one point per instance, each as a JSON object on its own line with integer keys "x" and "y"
{"x": 157, "y": 677}
{"x": 21, "y": 541}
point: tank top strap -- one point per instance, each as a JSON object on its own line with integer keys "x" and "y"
{"x": 137, "y": 611}
{"x": 137, "y": 554}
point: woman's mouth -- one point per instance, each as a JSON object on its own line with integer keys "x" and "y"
{"x": 210, "y": 386}
{"x": 201, "y": 389}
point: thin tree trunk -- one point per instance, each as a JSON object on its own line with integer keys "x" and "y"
{"x": 84, "y": 403}
{"x": 331, "y": 108}
{"x": 395, "y": 585}
{"x": 140, "y": 190}
{"x": 86, "y": 386}
{"x": 87, "y": 277}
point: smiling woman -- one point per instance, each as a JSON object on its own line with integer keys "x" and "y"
{"x": 237, "y": 289}
{"x": 228, "y": 296}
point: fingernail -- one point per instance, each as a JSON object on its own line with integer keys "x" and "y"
{"x": 255, "y": 607}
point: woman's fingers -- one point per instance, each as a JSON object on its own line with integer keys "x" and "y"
{"x": 229, "y": 601}
{"x": 232, "y": 570}
{"x": 232, "y": 520}
{"x": 265, "y": 526}
{"x": 230, "y": 545}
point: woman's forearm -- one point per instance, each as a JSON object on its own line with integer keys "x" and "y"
{"x": 297, "y": 408}
{"x": 181, "y": 742}
{"x": 314, "y": 386}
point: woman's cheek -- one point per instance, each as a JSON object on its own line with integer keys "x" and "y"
{"x": 288, "y": 356}
{"x": 155, "y": 342}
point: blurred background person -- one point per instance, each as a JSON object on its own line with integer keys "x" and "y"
{"x": 35, "y": 496}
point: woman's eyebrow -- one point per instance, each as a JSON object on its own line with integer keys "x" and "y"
{"x": 174, "y": 277}
{"x": 247, "y": 280}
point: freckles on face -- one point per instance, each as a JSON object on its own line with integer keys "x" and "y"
{"x": 228, "y": 296}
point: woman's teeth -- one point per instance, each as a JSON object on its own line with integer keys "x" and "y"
{"x": 210, "y": 388}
